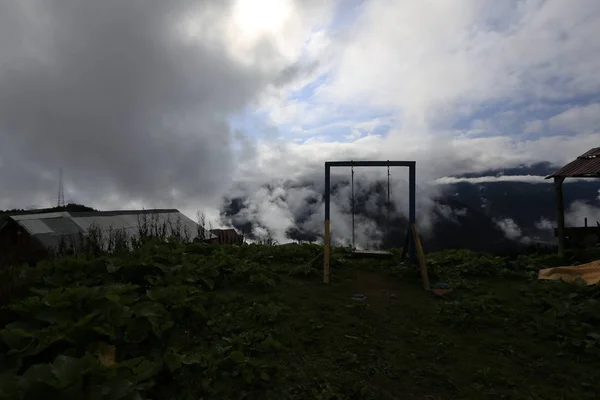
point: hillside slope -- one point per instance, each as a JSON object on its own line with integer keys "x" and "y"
{"x": 256, "y": 322}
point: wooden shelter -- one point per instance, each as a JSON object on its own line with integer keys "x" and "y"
{"x": 586, "y": 165}
{"x": 227, "y": 236}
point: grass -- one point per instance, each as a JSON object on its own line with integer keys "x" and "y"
{"x": 260, "y": 324}
{"x": 406, "y": 344}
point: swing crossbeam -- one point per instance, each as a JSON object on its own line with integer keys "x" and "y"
{"x": 411, "y": 208}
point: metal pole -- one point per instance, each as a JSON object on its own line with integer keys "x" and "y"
{"x": 353, "y": 237}
{"x": 388, "y": 205}
{"x": 412, "y": 209}
{"x": 560, "y": 214}
{"x": 327, "y": 237}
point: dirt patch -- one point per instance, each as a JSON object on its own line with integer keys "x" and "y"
{"x": 383, "y": 291}
{"x": 379, "y": 289}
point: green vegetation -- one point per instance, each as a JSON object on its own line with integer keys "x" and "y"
{"x": 194, "y": 321}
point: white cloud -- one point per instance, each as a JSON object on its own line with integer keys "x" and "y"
{"x": 439, "y": 54}
{"x": 161, "y": 84}
{"x": 355, "y": 134}
{"x": 430, "y": 62}
{"x": 447, "y": 212}
{"x": 426, "y": 64}
{"x": 576, "y": 214}
{"x": 462, "y": 212}
{"x": 503, "y": 178}
{"x": 510, "y": 228}
{"x": 314, "y": 139}
{"x": 279, "y": 25}
{"x": 423, "y": 64}
{"x": 545, "y": 224}
{"x": 534, "y": 126}
{"x": 578, "y": 119}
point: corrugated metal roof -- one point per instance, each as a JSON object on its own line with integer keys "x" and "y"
{"x": 102, "y": 223}
{"x": 48, "y": 228}
{"x": 52, "y": 240}
{"x": 586, "y": 165}
{"x": 228, "y": 236}
{"x": 35, "y": 226}
{"x": 122, "y": 212}
{"x": 23, "y": 217}
{"x": 63, "y": 226}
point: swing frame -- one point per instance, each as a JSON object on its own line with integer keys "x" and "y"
{"x": 411, "y": 202}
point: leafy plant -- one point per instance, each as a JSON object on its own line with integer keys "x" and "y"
{"x": 167, "y": 319}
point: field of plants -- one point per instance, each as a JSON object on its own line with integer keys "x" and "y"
{"x": 195, "y": 321}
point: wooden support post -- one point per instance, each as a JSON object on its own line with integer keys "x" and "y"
{"x": 405, "y": 245}
{"x": 326, "y": 253}
{"x": 560, "y": 214}
{"x": 421, "y": 257}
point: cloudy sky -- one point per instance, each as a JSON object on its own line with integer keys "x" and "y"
{"x": 177, "y": 104}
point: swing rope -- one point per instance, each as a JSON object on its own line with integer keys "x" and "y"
{"x": 388, "y": 203}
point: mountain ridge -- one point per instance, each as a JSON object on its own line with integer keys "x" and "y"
{"x": 490, "y": 216}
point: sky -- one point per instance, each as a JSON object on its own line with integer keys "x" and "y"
{"x": 179, "y": 104}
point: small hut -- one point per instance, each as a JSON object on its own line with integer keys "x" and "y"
{"x": 227, "y": 236}
{"x": 586, "y": 165}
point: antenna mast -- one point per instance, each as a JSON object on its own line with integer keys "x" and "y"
{"x": 61, "y": 193}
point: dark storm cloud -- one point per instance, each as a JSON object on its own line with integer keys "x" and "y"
{"x": 295, "y": 71}
{"x": 114, "y": 94}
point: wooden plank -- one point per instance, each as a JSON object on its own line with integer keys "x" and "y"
{"x": 371, "y": 253}
{"x": 421, "y": 257}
